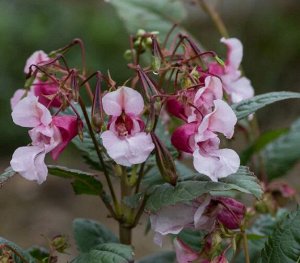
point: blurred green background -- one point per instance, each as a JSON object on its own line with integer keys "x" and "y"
{"x": 269, "y": 31}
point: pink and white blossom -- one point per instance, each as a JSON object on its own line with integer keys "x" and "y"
{"x": 201, "y": 140}
{"x": 125, "y": 140}
{"x": 237, "y": 87}
{"x": 48, "y": 134}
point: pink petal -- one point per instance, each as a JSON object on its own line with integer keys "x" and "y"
{"x": 123, "y": 99}
{"x": 168, "y": 220}
{"x": 234, "y": 53}
{"x": 210, "y": 92}
{"x": 29, "y": 162}
{"x": 200, "y": 219}
{"x": 19, "y": 93}
{"x": 30, "y": 113}
{"x": 43, "y": 89}
{"x": 36, "y": 58}
{"x": 68, "y": 128}
{"x": 176, "y": 108}
{"x": 127, "y": 150}
{"x": 217, "y": 163}
{"x": 221, "y": 120}
{"x": 47, "y": 137}
{"x": 184, "y": 254}
{"x": 182, "y": 137}
{"x": 241, "y": 89}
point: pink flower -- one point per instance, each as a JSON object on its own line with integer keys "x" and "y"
{"x": 184, "y": 254}
{"x": 36, "y": 58}
{"x": 237, "y": 87}
{"x": 18, "y": 95}
{"x": 205, "y": 97}
{"x": 48, "y": 134}
{"x": 201, "y": 140}
{"x": 125, "y": 134}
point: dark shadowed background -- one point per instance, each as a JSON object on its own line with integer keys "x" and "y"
{"x": 269, "y": 31}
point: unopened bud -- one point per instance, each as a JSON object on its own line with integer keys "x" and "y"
{"x": 140, "y": 32}
{"x": 220, "y": 61}
{"x": 164, "y": 161}
{"x": 232, "y": 212}
{"x": 60, "y": 243}
{"x": 129, "y": 54}
{"x": 80, "y": 129}
{"x": 97, "y": 111}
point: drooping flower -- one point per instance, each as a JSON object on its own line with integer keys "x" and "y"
{"x": 203, "y": 213}
{"x": 36, "y": 58}
{"x": 48, "y": 134}
{"x": 201, "y": 140}
{"x": 125, "y": 140}
{"x": 237, "y": 87}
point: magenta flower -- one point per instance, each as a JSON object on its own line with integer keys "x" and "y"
{"x": 238, "y": 88}
{"x": 48, "y": 134}
{"x": 125, "y": 140}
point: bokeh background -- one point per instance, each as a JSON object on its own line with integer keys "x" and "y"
{"x": 269, "y": 31}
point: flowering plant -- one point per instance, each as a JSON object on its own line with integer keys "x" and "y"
{"x": 183, "y": 106}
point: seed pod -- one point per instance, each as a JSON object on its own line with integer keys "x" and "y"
{"x": 75, "y": 87}
{"x": 97, "y": 111}
{"x": 148, "y": 84}
{"x": 164, "y": 161}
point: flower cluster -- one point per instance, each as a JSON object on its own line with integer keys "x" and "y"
{"x": 49, "y": 134}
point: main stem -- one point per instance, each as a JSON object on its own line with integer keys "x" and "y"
{"x": 95, "y": 142}
{"x": 245, "y": 245}
{"x": 125, "y": 234}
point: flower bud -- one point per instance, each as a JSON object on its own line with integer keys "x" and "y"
{"x": 281, "y": 192}
{"x": 97, "y": 111}
{"x": 148, "y": 85}
{"x": 184, "y": 254}
{"x": 60, "y": 243}
{"x": 164, "y": 161}
{"x": 231, "y": 213}
{"x": 129, "y": 54}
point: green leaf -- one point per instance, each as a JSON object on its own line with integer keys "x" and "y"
{"x": 133, "y": 201}
{"x": 193, "y": 238}
{"x": 8, "y": 173}
{"x": 18, "y": 253}
{"x": 107, "y": 253}
{"x": 151, "y": 15}
{"x": 261, "y": 143}
{"x": 160, "y": 257}
{"x": 284, "y": 243}
{"x": 89, "y": 233}
{"x": 82, "y": 182}
{"x": 283, "y": 153}
{"x": 39, "y": 253}
{"x": 163, "y": 195}
{"x": 249, "y": 106}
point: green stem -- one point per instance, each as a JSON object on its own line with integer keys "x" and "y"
{"x": 245, "y": 245}
{"x": 95, "y": 142}
{"x": 125, "y": 234}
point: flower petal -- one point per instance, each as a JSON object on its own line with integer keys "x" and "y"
{"x": 30, "y": 113}
{"x": 43, "y": 89}
{"x": 19, "y": 93}
{"x": 199, "y": 219}
{"x": 29, "y": 162}
{"x": 68, "y": 128}
{"x": 176, "y": 108}
{"x": 36, "y": 58}
{"x": 182, "y": 137}
{"x": 234, "y": 53}
{"x": 123, "y": 98}
{"x": 240, "y": 89}
{"x": 127, "y": 150}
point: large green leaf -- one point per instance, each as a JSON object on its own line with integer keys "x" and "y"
{"x": 151, "y": 15}
{"x": 107, "y": 253}
{"x": 281, "y": 154}
{"x": 8, "y": 173}
{"x": 20, "y": 254}
{"x": 160, "y": 257}
{"x": 249, "y": 106}
{"x": 82, "y": 182}
{"x": 284, "y": 243}
{"x": 89, "y": 233}
{"x": 243, "y": 181}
